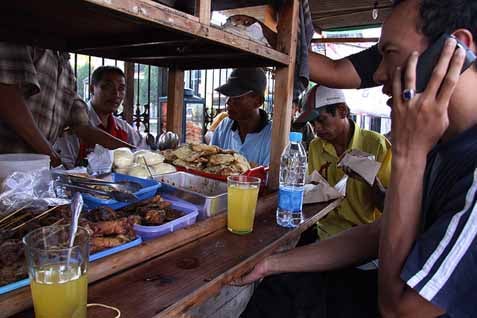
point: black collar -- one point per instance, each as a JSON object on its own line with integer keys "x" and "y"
{"x": 263, "y": 122}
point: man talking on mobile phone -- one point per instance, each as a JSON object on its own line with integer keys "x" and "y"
{"x": 426, "y": 240}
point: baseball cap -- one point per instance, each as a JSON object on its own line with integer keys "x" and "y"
{"x": 244, "y": 80}
{"x": 317, "y": 97}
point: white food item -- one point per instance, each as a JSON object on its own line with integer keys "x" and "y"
{"x": 152, "y": 158}
{"x": 163, "y": 168}
{"x": 139, "y": 172}
{"x": 123, "y": 158}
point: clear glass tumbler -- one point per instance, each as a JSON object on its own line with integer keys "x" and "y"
{"x": 242, "y": 193}
{"x": 58, "y": 274}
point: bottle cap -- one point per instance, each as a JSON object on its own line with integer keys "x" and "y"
{"x": 296, "y": 137}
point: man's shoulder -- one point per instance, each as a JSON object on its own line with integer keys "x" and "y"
{"x": 371, "y": 141}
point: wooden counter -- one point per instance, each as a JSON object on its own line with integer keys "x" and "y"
{"x": 170, "y": 284}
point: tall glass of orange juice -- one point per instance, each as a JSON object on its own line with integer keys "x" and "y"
{"x": 58, "y": 274}
{"x": 242, "y": 193}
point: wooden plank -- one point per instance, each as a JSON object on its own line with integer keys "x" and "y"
{"x": 354, "y": 19}
{"x": 128, "y": 103}
{"x": 203, "y": 10}
{"x": 19, "y": 300}
{"x": 287, "y": 42}
{"x": 345, "y": 40}
{"x": 169, "y": 285}
{"x": 175, "y": 101}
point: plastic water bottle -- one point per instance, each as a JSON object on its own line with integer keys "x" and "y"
{"x": 293, "y": 168}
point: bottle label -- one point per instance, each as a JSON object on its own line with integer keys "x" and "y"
{"x": 290, "y": 199}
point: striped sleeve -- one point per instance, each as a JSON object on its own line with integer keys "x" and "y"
{"x": 442, "y": 264}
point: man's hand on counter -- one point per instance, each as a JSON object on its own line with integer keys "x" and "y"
{"x": 257, "y": 273}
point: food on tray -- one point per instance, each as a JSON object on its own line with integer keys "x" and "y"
{"x": 138, "y": 172}
{"x": 123, "y": 158}
{"x": 206, "y": 158}
{"x": 151, "y": 158}
{"x": 163, "y": 168}
{"x": 137, "y": 166}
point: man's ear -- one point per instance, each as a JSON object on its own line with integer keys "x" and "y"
{"x": 466, "y": 37}
{"x": 342, "y": 111}
{"x": 91, "y": 89}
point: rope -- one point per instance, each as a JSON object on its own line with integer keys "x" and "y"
{"x": 118, "y": 312}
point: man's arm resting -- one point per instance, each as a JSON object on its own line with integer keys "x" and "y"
{"x": 354, "y": 246}
{"x": 333, "y": 73}
{"x": 94, "y": 135}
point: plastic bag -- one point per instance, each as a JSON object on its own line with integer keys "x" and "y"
{"x": 35, "y": 189}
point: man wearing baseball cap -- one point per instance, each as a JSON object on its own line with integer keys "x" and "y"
{"x": 326, "y": 109}
{"x": 247, "y": 128}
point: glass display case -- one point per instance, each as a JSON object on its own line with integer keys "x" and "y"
{"x": 193, "y": 129}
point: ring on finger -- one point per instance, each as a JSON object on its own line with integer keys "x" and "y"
{"x": 408, "y": 94}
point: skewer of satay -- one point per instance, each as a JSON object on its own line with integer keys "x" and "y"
{"x": 14, "y": 212}
{"x": 33, "y": 219}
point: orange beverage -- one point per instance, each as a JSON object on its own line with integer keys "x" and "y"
{"x": 242, "y": 195}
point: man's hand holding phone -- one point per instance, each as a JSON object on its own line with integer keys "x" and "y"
{"x": 420, "y": 121}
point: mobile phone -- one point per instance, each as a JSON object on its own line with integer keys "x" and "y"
{"x": 428, "y": 60}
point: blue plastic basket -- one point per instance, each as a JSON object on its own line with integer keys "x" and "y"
{"x": 148, "y": 191}
{"x": 93, "y": 257}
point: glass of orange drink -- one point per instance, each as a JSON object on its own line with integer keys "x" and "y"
{"x": 242, "y": 195}
{"x": 58, "y": 273}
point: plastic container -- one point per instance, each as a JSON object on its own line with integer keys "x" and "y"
{"x": 148, "y": 191}
{"x": 149, "y": 232}
{"x": 93, "y": 257}
{"x": 22, "y": 162}
{"x": 293, "y": 169}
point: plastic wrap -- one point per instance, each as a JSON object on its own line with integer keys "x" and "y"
{"x": 35, "y": 188}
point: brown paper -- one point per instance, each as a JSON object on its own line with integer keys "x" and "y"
{"x": 318, "y": 190}
{"x": 361, "y": 163}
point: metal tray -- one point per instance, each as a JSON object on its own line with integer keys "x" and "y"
{"x": 208, "y": 195}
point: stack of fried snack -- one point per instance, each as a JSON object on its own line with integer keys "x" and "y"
{"x": 207, "y": 158}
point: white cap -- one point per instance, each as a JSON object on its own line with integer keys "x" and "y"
{"x": 325, "y": 96}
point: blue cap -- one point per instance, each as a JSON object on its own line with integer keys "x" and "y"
{"x": 296, "y": 136}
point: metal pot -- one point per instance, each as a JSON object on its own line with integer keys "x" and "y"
{"x": 168, "y": 140}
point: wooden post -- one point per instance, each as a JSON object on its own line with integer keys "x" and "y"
{"x": 175, "y": 100}
{"x": 203, "y": 11}
{"x": 287, "y": 40}
{"x": 128, "y": 103}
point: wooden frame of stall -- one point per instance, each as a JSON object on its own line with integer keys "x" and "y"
{"x": 147, "y": 32}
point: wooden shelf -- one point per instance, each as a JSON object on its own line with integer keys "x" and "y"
{"x": 140, "y": 31}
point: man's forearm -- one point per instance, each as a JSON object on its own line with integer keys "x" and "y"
{"x": 94, "y": 135}
{"x": 352, "y": 247}
{"x": 16, "y": 114}
{"x": 333, "y": 73}
{"x": 401, "y": 221}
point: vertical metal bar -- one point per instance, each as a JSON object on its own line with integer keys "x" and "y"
{"x": 76, "y": 66}
{"x": 102, "y": 61}
{"x": 212, "y": 91}
{"x": 220, "y": 83}
{"x": 205, "y": 118}
{"x": 116, "y": 63}
{"x": 149, "y": 85}
{"x": 89, "y": 75}
{"x": 190, "y": 79}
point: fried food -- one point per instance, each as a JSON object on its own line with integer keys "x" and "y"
{"x": 210, "y": 159}
{"x": 221, "y": 159}
{"x": 102, "y": 213}
{"x": 205, "y": 149}
{"x": 155, "y": 217}
{"x": 100, "y": 243}
{"x": 120, "y": 226}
